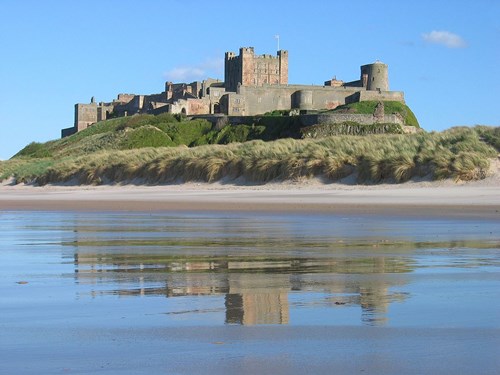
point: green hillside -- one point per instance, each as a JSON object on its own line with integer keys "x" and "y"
{"x": 167, "y": 130}
{"x": 160, "y": 149}
{"x": 164, "y": 130}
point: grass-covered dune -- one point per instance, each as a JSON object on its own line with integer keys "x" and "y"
{"x": 161, "y": 149}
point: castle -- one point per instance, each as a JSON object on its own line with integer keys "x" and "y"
{"x": 253, "y": 85}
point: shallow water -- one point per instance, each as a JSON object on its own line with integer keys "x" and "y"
{"x": 78, "y": 273}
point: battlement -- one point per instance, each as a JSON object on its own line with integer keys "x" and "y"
{"x": 247, "y": 50}
{"x": 230, "y": 56}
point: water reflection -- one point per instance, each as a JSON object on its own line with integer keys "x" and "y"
{"x": 264, "y": 268}
{"x": 256, "y": 291}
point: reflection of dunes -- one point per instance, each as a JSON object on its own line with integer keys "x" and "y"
{"x": 256, "y": 290}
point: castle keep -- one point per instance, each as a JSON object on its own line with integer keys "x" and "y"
{"x": 253, "y": 85}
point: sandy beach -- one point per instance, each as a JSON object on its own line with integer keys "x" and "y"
{"x": 446, "y": 198}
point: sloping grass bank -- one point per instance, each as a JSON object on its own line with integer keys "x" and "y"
{"x": 368, "y": 107}
{"x": 165, "y": 130}
{"x": 459, "y": 153}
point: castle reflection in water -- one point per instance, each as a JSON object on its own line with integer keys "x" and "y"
{"x": 256, "y": 290}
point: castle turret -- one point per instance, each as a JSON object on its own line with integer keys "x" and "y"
{"x": 375, "y": 76}
{"x": 283, "y": 67}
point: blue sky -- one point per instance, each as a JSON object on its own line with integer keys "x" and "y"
{"x": 443, "y": 54}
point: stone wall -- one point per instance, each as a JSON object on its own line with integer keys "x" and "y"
{"x": 198, "y": 106}
{"x": 365, "y": 95}
{"x": 188, "y": 107}
{"x": 125, "y": 98}
{"x": 154, "y": 101}
{"x": 233, "y": 104}
{"x": 328, "y": 130}
{"x": 85, "y": 115}
{"x": 68, "y": 131}
{"x": 104, "y": 110}
{"x": 339, "y": 118}
{"x": 268, "y": 98}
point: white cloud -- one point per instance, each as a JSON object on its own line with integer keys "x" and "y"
{"x": 188, "y": 73}
{"x": 444, "y": 38}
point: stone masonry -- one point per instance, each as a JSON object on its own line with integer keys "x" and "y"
{"x": 253, "y": 85}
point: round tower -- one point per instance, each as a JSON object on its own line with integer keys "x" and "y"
{"x": 375, "y": 76}
{"x": 304, "y": 99}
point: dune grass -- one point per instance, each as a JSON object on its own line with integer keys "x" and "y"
{"x": 458, "y": 153}
{"x": 166, "y": 148}
{"x": 490, "y": 135}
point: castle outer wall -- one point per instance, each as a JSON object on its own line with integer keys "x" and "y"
{"x": 255, "y": 100}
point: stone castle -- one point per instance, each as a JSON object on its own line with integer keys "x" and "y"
{"x": 253, "y": 85}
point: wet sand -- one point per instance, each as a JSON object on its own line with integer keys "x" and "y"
{"x": 407, "y": 200}
{"x": 261, "y": 350}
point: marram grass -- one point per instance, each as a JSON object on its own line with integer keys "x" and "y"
{"x": 459, "y": 153}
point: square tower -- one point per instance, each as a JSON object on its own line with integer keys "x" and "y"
{"x": 247, "y": 69}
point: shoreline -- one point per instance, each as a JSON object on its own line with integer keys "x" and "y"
{"x": 413, "y": 200}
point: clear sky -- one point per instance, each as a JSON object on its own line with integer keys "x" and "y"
{"x": 443, "y": 54}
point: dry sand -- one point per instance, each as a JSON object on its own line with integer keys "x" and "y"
{"x": 446, "y": 198}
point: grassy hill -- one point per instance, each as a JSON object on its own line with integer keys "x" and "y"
{"x": 160, "y": 149}
{"x": 164, "y": 130}
{"x": 167, "y": 130}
